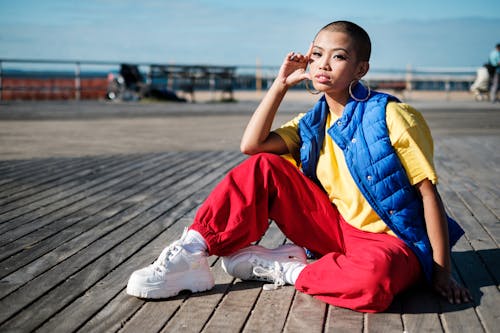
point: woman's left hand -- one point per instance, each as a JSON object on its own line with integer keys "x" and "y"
{"x": 444, "y": 283}
{"x": 293, "y": 69}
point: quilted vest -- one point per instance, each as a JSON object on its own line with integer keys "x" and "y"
{"x": 362, "y": 134}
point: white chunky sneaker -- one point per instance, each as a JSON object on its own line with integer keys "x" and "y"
{"x": 175, "y": 270}
{"x": 259, "y": 263}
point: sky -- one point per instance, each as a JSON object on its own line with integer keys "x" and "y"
{"x": 424, "y": 33}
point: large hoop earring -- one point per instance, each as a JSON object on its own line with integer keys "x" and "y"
{"x": 314, "y": 92}
{"x": 367, "y": 87}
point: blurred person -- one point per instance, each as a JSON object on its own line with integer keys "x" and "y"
{"x": 357, "y": 190}
{"x": 481, "y": 84}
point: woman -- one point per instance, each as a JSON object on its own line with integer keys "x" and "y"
{"x": 365, "y": 202}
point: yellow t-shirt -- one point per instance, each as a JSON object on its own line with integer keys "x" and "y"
{"x": 412, "y": 140}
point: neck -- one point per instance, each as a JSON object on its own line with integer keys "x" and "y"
{"x": 336, "y": 104}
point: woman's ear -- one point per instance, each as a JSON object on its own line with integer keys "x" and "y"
{"x": 363, "y": 68}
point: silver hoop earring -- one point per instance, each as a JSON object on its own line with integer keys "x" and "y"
{"x": 367, "y": 87}
{"x": 314, "y": 92}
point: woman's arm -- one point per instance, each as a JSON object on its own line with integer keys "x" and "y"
{"x": 437, "y": 230}
{"x": 258, "y": 137}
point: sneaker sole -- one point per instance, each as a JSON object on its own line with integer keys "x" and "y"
{"x": 200, "y": 281}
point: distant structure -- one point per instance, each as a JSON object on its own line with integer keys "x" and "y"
{"x": 181, "y": 82}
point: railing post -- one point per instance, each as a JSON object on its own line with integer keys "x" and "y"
{"x": 77, "y": 81}
{"x": 447, "y": 88}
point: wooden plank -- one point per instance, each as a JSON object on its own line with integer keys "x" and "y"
{"x": 271, "y": 309}
{"x": 98, "y": 192}
{"x": 196, "y": 311}
{"x": 64, "y": 197}
{"x": 27, "y": 219}
{"x": 30, "y": 188}
{"x": 487, "y": 250}
{"x": 112, "y": 285}
{"x": 52, "y": 229}
{"x": 67, "y": 306}
{"x": 146, "y": 314}
{"x": 485, "y": 218}
{"x": 14, "y": 170}
{"x": 421, "y": 311}
{"x": 339, "y": 320}
{"x": 156, "y": 312}
{"x": 388, "y": 321}
{"x": 105, "y": 214}
{"x": 307, "y": 314}
{"x": 490, "y": 200}
{"x": 102, "y": 321}
{"x": 469, "y": 174}
{"x": 472, "y": 269}
{"x": 7, "y": 166}
{"x": 242, "y": 296}
{"x": 459, "y": 317}
{"x": 98, "y": 302}
{"x": 106, "y": 311}
{"x": 232, "y": 311}
{"x": 477, "y": 236}
{"x": 197, "y": 308}
{"x": 469, "y": 166}
{"x": 82, "y": 240}
{"x": 481, "y": 285}
{"x": 43, "y": 177}
{"x": 42, "y": 308}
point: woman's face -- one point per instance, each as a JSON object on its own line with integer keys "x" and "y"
{"x": 333, "y": 63}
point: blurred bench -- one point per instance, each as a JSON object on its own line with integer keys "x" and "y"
{"x": 186, "y": 79}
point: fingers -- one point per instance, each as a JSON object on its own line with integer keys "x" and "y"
{"x": 455, "y": 294}
{"x": 293, "y": 69}
{"x": 462, "y": 295}
{"x": 446, "y": 293}
{"x": 297, "y": 57}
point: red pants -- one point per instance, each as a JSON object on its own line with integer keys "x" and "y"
{"x": 358, "y": 270}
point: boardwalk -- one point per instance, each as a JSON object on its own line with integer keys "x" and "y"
{"x": 73, "y": 228}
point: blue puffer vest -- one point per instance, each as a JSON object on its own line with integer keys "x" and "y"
{"x": 362, "y": 135}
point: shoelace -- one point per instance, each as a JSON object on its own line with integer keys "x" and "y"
{"x": 160, "y": 264}
{"x": 274, "y": 274}
{"x": 164, "y": 257}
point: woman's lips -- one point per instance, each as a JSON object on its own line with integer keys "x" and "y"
{"x": 322, "y": 78}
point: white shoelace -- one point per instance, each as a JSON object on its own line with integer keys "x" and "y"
{"x": 160, "y": 264}
{"x": 274, "y": 274}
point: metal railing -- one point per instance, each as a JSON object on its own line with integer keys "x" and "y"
{"x": 243, "y": 77}
{"x": 44, "y": 69}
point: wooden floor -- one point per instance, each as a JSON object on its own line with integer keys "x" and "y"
{"x": 72, "y": 230}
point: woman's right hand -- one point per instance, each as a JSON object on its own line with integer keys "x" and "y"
{"x": 293, "y": 69}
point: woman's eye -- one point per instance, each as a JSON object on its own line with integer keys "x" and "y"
{"x": 316, "y": 54}
{"x": 339, "y": 57}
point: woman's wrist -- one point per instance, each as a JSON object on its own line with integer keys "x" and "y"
{"x": 442, "y": 268}
{"x": 278, "y": 88}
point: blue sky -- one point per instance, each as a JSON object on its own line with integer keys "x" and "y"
{"x": 424, "y": 33}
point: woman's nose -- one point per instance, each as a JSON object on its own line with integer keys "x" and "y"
{"x": 324, "y": 64}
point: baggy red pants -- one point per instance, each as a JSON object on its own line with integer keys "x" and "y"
{"x": 357, "y": 270}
